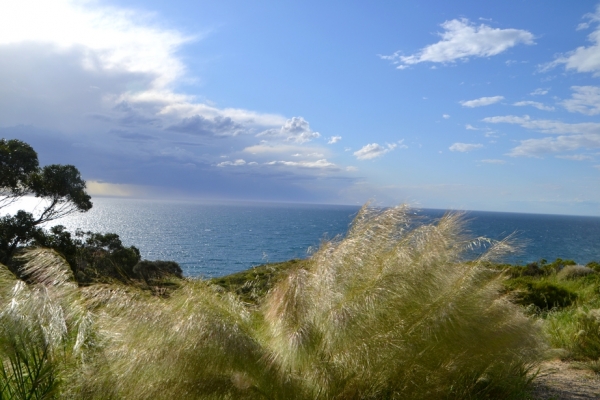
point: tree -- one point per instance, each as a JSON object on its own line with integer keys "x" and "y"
{"x": 60, "y": 186}
{"x": 18, "y": 161}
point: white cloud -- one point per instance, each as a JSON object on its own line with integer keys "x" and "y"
{"x": 236, "y": 163}
{"x": 493, "y": 161}
{"x": 401, "y": 144}
{"x": 278, "y": 148}
{"x": 116, "y": 39}
{"x": 583, "y": 59}
{"x": 585, "y": 100}
{"x": 547, "y": 126}
{"x": 571, "y": 136}
{"x": 295, "y": 130}
{"x": 351, "y": 169}
{"x": 373, "y": 150}
{"x": 465, "y": 147}
{"x": 176, "y": 107}
{"x": 130, "y": 59}
{"x": 535, "y": 104}
{"x": 318, "y": 164}
{"x": 462, "y": 40}
{"x": 576, "y": 157}
{"x": 334, "y": 139}
{"x": 537, "y": 147}
{"x": 470, "y": 127}
{"x": 446, "y": 116}
{"x": 539, "y": 92}
{"x": 482, "y": 101}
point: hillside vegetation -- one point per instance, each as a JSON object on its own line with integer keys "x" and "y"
{"x": 390, "y": 311}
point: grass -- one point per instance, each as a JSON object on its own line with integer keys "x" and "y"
{"x": 253, "y": 284}
{"x": 393, "y": 310}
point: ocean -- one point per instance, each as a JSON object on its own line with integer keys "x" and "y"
{"x": 218, "y": 239}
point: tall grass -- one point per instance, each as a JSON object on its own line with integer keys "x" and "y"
{"x": 392, "y": 310}
{"x": 43, "y": 327}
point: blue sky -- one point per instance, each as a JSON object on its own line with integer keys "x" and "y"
{"x": 463, "y": 105}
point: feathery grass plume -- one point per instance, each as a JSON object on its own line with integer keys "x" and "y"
{"x": 42, "y": 327}
{"x": 393, "y": 311}
{"x": 199, "y": 343}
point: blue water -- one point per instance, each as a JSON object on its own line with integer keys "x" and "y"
{"x": 214, "y": 240}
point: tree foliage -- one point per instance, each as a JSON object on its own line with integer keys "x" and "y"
{"x": 60, "y": 187}
{"x": 18, "y": 161}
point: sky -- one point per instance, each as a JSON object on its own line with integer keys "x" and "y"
{"x": 455, "y": 105}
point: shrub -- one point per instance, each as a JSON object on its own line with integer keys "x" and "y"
{"x": 542, "y": 294}
{"x": 153, "y": 271}
{"x": 557, "y": 265}
{"x": 593, "y": 265}
{"x": 574, "y": 272}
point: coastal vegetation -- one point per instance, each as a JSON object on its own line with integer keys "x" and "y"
{"x": 396, "y": 309}
{"x": 392, "y": 310}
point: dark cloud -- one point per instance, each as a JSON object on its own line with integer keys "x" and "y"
{"x": 74, "y": 113}
{"x": 46, "y": 86}
{"x": 198, "y": 125}
{"x": 130, "y": 115}
{"x": 132, "y": 135}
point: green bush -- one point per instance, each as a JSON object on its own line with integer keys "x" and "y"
{"x": 557, "y": 265}
{"x": 542, "y": 294}
{"x": 593, "y": 265}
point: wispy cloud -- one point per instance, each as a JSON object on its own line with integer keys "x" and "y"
{"x": 538, "y": 147}
{"x": 536, "y": 104}
{"x": 294, "y": 150}
{"x": 237, "y": 163}
{"x": 585, "y": 100}
{"x": 373, "y": 150}
{"x": 318, "y": 164}
{"x": 546, "y": 125}
{"x": 465, "y": 147}
{"x": 583, "y": 59}
{"x": 576, "y": 157}
{"x": 334, "y": 139}
{"x": 446, "y": 116}
{"x": 462, "y": 40}
{"x": 571, "y": 136}
{"x": 482, "y": 101}
{"x": 539, "y": 92}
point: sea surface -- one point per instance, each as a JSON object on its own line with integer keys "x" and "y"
{"x": 218, "y": 239}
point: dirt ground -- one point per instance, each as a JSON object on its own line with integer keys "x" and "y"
{"x": 562, "y": 380}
